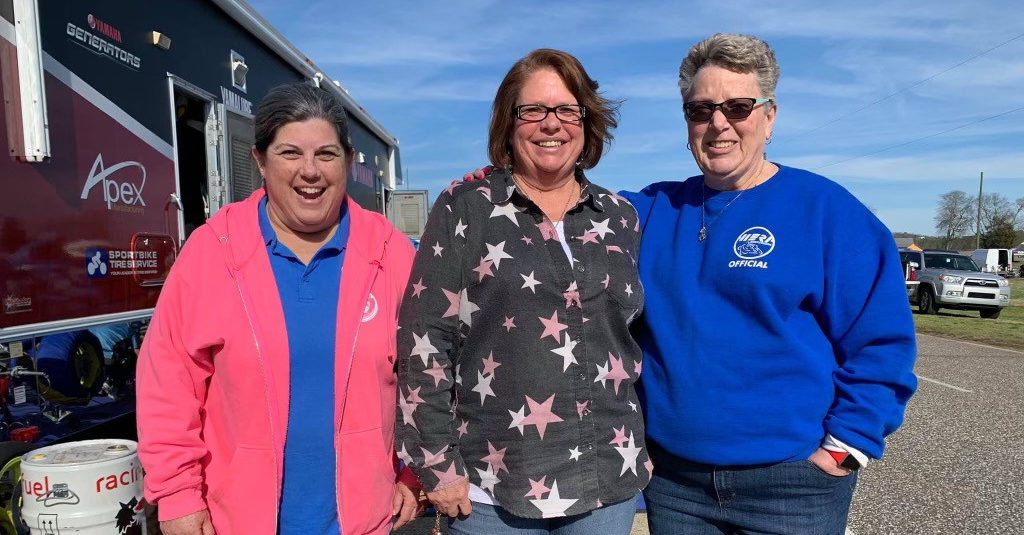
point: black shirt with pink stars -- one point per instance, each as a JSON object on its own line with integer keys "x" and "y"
{"x": 516, "y": 368}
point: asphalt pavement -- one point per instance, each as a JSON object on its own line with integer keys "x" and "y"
{"x": 956, "y": 466}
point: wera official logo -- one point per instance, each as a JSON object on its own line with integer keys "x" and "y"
{"x": 121, "y": 191}
{"x": 751, "y": 245}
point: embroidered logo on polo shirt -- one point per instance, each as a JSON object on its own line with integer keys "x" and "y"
{"x": 751, "y": 245}
{"x": 370, "y": 310}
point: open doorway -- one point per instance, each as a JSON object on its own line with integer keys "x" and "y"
{"x": 190, "y": 154}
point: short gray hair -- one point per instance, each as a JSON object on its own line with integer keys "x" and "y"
{"x": 744, "y": 54}
{"x": 299, "y": 101}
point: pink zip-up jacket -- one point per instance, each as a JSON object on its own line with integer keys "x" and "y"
{"x": 213, "y": 377}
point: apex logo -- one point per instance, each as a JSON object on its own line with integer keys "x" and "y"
{"x": 126, "y": 192}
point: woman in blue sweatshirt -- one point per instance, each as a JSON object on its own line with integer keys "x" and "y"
{"x": 778, "y": 344}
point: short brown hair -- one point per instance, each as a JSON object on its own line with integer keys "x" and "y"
{"x": 601, "y": 118}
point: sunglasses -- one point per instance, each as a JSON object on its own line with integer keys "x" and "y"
{"x": 733, "y": 109}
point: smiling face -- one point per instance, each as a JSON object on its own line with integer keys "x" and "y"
{"x": 728, "y": 152}
{"x": 305, "y": 168}
{"x": 546, "y": 150}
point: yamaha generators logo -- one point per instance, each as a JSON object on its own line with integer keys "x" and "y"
{"x": 751, "y": 245}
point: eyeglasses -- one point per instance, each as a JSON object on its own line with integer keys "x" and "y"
{"x": 569, "y": 113}
{"x": 733, "y": 109}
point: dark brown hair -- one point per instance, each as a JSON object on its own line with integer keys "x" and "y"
{"x": 601, "y": 116}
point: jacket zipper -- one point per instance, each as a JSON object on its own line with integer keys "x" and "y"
{"x": 348, "y": 376}
{"x": 236, "y": 278}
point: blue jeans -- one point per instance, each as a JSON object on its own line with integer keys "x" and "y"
{"x": 787, "y": 498}
{"x": 612, "y": 519}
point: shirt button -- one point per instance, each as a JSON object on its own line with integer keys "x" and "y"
{"x": 581, "y": 268}
{"x": 581, "y": 377}
{"x": 588, "y": 447}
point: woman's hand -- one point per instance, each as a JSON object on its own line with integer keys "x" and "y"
{"x": 452, "y": 500}
{"x": 404, "y": 506}
{"x": 827, "y": 464}
{"x": 197, "y": 523}
{"x": 477, "y": 174}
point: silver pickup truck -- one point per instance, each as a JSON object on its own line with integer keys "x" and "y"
{"x": 948, "y": 279}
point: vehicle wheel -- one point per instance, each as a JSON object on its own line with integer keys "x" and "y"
{"x": 10, "y": 487}
{"x": 990, "y": 314}
{"x": 926, "y": 302}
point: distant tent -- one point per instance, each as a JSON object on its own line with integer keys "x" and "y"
{"x": 907, "y": 243}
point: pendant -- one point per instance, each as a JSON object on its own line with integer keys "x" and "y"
{"x": 702, "y": 234}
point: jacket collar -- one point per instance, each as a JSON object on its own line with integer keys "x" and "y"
{"x": 502, "y": 187}
{"x": 237, "y": 225}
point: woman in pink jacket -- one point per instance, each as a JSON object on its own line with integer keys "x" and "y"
{"x": 266, "y": 390}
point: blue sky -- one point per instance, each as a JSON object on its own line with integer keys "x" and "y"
{"x": 861, "y": 84}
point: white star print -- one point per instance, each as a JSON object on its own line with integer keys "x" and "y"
{"x": 496, "y": 253}
{"x": 601, "y": 228}
{"x": 460, "y": 229}
{"x": 554, "y": 505}
{"x": 488, "y": 479}
{"x": 566, "y": 352}
{"x": 407, "y": 410}
{"x": 508, "y": 210}
{"x": 631, "y": 405}
{"x": 530, "y": 282}
{"x": 466, "y": 308}
{"x": 629, "y": 454}
{"x": 629, "y": 289}
{"x": 483, "y": 386}
{"x": 517, "y": 419}
{"x": 437, "y": 249}
{"x": 403, "y": 454}
{"x": 423, "y": 348}
{"x": 574, "y": 454}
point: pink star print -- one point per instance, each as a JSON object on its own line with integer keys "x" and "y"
{"x": 637, "y": 366}
{"x": 607, "y": 279}
{"x": 540, "y": 414}
{"x": 453, "y": 303}
{"x": 589, "y": 237}
{"x": 624, "y": 222}
{"x": 538, "y": 488}
{"x": 527, "y": 239}
{"x": 431, "y": 459}
{"x": 580, "y": 407}
{"x": 509, "y": 323}
{"x": 552, "y": 327}
{"x": 620, "y": 436}
{"x": 617, "y": 373}
{"x": 437, "y": 372}
{"x": 484, "y": 269}
{"x": 547, "y": 230}
{"x": 490, "y": 364}
{"x": 448, "y": 476}
{"x": 414, "y": 395}
{"x": 418, "y": 288}
{"x": 495, "y": 458}
{"x": 464, "y": 428}
{"x": 572, "y": 295}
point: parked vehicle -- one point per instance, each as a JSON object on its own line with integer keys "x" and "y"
{"x": 995, "y": 261}
{"x": 948, "y": 279}
{"x": 126, "y": 124}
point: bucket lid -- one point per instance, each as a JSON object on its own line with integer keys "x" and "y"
{"x": 81, "y": 452}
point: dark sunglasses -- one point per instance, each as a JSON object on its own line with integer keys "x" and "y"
{"x": 733, "y": 109}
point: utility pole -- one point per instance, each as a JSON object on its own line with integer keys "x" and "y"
{"x": 977, "y": 226}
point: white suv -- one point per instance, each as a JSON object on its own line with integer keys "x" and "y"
{"x": 949, "y": 279}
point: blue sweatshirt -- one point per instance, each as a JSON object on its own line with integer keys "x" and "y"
{"x": 789, "y": 322}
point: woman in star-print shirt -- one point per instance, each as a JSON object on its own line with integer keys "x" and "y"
{"x": 516, "y": 368}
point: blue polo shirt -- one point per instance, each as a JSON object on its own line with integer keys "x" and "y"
{"x": 309, "y": 297}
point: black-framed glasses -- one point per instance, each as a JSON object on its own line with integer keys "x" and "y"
{"x": 733, "y": 109}
{"x": 569, "y": 113}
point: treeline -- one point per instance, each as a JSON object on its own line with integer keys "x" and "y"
{"x": 956, "y": 219}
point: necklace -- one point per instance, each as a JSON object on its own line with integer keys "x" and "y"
{"x": 568, "y": 200}
{"x": 702, "y": 234}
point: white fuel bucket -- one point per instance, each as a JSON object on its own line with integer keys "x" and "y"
{"x": 91, "y": 487}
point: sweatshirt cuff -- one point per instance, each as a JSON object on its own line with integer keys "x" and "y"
{"x": 180, "y": 503}
{"x": 832, "y": 443}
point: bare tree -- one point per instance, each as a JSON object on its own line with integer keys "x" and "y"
{"x": 996, "y": 209}
{"x": 954, "y": 216}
